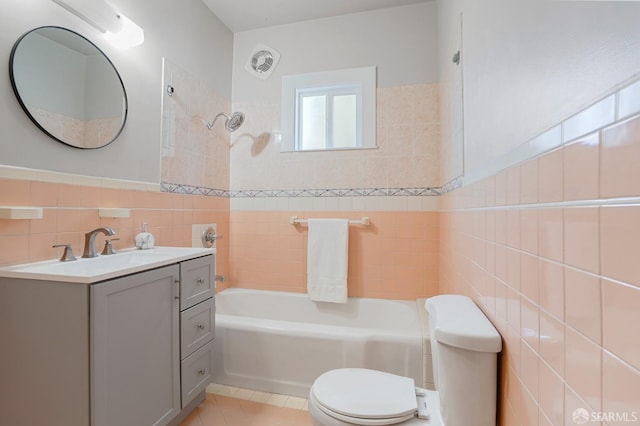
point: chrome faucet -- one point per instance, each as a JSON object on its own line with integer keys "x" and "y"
{"x": 90, "y": 241}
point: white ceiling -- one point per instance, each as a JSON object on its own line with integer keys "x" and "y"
{"x": 243, "y": 15}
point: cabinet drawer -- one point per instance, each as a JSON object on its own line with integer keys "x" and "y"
{"x": 197, "y": 281}
{"x": 196, "y": 373}
{"x": 197, "y": 326}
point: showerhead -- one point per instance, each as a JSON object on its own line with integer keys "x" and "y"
{"x": 232, "y": 122}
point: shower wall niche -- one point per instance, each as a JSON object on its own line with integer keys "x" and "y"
{"x": 193, "y": 157}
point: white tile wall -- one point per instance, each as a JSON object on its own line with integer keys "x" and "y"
{"x": 335, "y": 204}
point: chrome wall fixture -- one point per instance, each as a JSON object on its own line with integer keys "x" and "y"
{"x": 232, "y": 122}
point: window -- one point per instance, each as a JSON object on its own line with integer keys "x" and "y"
{"x": 329, "y": 110}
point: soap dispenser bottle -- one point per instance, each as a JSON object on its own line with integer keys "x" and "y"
{"x": 144, "y": 240}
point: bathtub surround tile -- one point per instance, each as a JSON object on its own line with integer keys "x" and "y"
{"x": 395, "y": 257}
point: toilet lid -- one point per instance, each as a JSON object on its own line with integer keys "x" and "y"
{"x": 366, "y": 394}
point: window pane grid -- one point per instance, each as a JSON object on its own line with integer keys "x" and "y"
{"x": 328, "y": 117}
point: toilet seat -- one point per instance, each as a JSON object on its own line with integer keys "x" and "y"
{"x": 365, "y": 397}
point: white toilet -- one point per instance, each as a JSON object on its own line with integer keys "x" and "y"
{"x": 464, "y": 346}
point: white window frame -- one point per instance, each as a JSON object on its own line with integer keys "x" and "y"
{"x": 359, "y": 81}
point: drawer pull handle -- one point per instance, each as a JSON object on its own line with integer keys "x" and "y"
{"x": 201, "y": 371}
{"x": 200, "y": 326}
{"x": 200, "y": 281}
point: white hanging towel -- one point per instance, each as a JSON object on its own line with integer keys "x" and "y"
{"x": 327, "y": 260}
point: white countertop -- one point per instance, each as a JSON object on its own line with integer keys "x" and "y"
{"x": 87, "y": 271}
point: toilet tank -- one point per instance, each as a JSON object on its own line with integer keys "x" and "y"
{"x": 464, "y": 348}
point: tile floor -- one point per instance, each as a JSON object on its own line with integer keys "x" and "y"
{"x": 229, "y": 406}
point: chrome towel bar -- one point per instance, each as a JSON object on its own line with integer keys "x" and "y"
{"x": 365, "y": 221}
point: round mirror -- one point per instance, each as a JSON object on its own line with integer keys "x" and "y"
{"x": 68, "y": 87}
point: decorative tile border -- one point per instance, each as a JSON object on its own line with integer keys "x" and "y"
{"x": 299, "y": 193}
{"x": 177, "y": 188}
{"x": 451, "y": 185}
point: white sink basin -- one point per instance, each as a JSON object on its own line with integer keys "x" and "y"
{"x": 102, "y": 268}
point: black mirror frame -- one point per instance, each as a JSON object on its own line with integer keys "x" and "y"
{"x": 26, "y": 110}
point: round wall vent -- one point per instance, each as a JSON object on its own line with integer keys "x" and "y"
{"x": 262, "y": 61}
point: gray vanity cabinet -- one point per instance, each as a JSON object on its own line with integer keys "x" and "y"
{"x": 121, "y": 352}
{"x": 135, "y": 358}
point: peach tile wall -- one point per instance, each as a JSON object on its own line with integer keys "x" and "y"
{"x": 70, "y": 211}
{"x": 562, "y": 283}
{"x": 396, "y": 257}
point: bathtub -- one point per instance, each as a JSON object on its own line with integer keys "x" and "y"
{"x": 280, "y": 342}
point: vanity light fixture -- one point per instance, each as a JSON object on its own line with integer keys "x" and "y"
{"x": 116, "y": 28}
